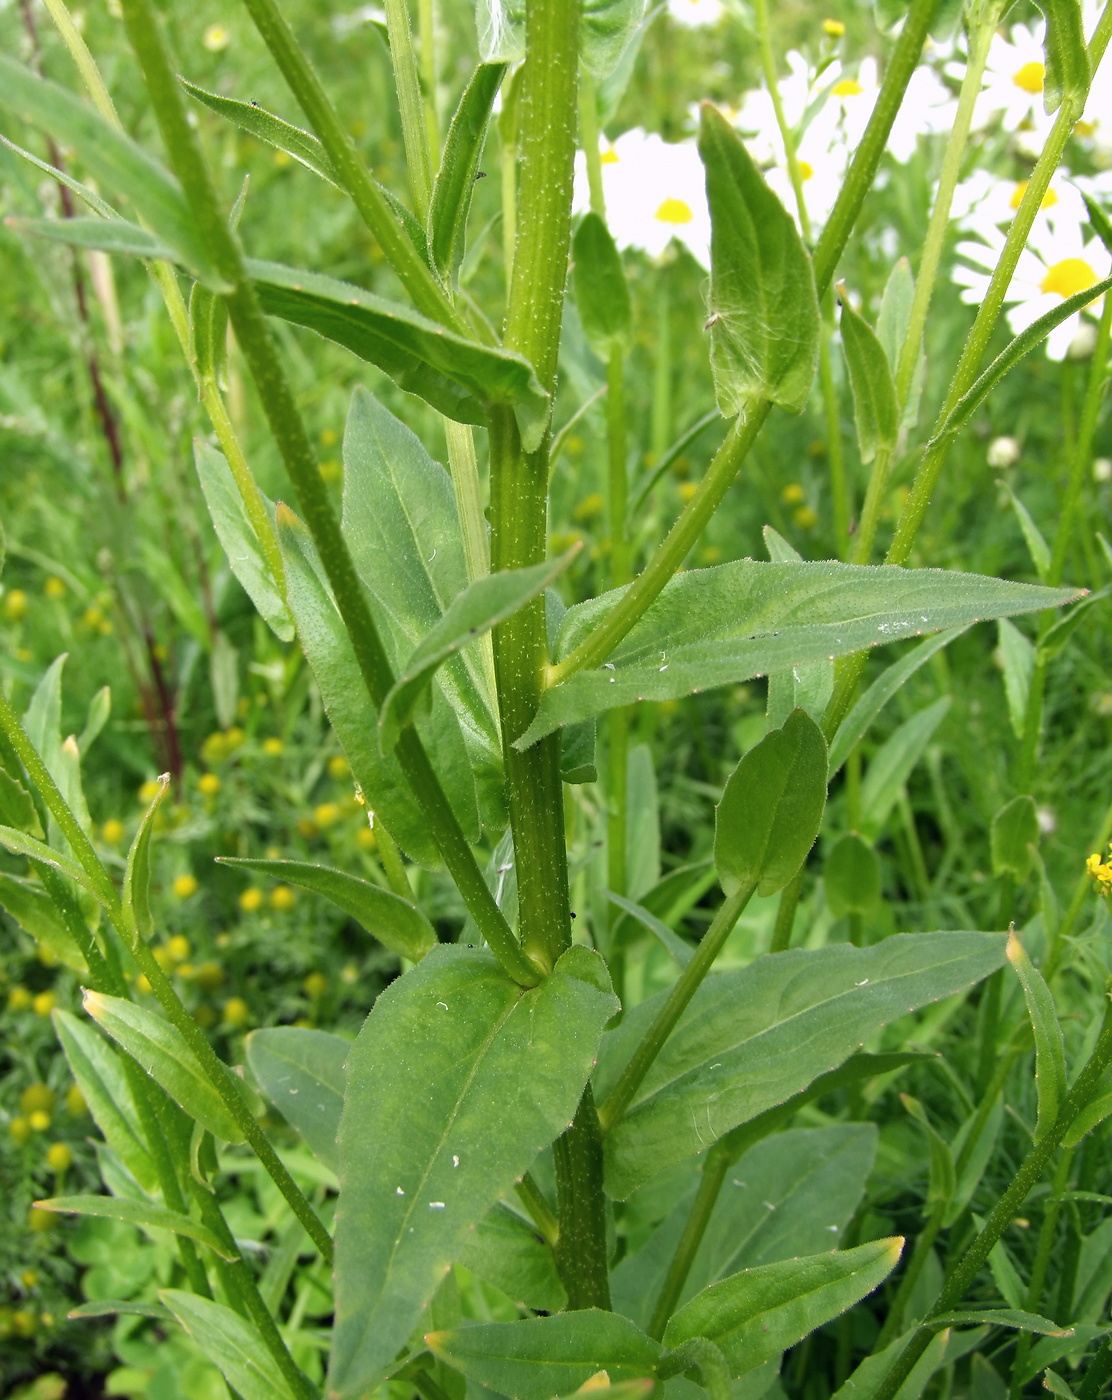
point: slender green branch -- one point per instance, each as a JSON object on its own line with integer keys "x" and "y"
{"x": 541, "y": 1213}
{"x": 715, "y": 1167}
{"x": 415, "y": 135}
{"x": 581, "y": 1254}
{"x": 282, "y": 413}
{"x": 911, "y": 1275}
{"x": 785, "y": 913}
{"x": 685, "y": 987}
{"x": 1047, "y": 1235}
{"x": 1031, "y": 1169}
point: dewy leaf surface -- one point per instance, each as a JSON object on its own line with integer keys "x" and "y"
{"x": 752, "y": 1038}
{"x": 713, "y": 627}
{"x": 755, "y": 1315}
{"x": 546, "y": 1356}
{"x": 456, "y": 1081}
{"x": 301, "y": 1072}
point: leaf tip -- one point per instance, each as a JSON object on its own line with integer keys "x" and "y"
{"x": 1015, "y": 950}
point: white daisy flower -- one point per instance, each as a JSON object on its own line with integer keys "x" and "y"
{"x": 1056, "y": 264}
{"x": 655, "y": 192}
{"x": 696, "y": 14}
{"x": 1012, "y": 94}
{"x": 985, "y": 201}
{"x": 822, "y": 164}
{"x": 928, "y": 109}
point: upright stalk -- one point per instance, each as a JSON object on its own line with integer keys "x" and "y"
{"x": 1047, "y": 1235}
{"x": 408, "y": 83}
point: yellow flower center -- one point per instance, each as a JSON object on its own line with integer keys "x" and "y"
{"x": 848, "y": 87}
{"x": 1068, "y": 277}
{"x": 1049, "y": 200}
{"x": 834, "y": 27}
{"x": 806, "y": 170}
{"x": 608, "y": 158}
{"x": 675, "y": 211}
{"x": 1030, "y": 77}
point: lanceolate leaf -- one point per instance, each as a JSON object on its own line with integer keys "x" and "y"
{"x": 143, "y": 1213}
{"x": 546, "y": 1356}
{"x": 439, "y": 1122}
{"x": 601, "y": 291}
{"x": 713, "y": 627}
{"x": 506, "y": 1251}
{"x": 301, "y": 1072}
{"x": 107, "y": 235}
{"x": 19, "y": 843}
{"x": 757, "y": 1314}
{"x": 459, "y": 167}
{"x": 1067, "y": 61}
{"x": 457, "y": 376}
{"x": 752, "y": 1038}
{"x": 137, "y": 872}
{"x": 33, "y": 909}
{"x": 1015, "y": 828}
{"x": 257, "y": 121}
{"x": 892, "y": 764}
{"x": 1050, "y": 1053}
{"x": 231, "y": 1343}
{"x": 394, "y": 921}
{"x": 159, "y": 1048}
{"x": 764, "y": 314}
{"x": 874, "y": 395}
{"x": 116, "y": 161}
{"x": 486, "y": 603}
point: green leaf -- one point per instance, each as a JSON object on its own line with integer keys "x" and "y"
{"x": 301, "y": 1072}
{"x": 479, "y": 608}
{"x": 757, "y": 1314}
{"x": 96, "y": 717}
{"x": 232, "y": 1343}
{"x": 1053, "y": 640}
{"x": 402, "y": 526}
{"x": 772, "y": 808}
{"x": 19, "y": 843}
{"x": 395, "y": 922}
{"x": 107, "y": 1093}
{"x": 1050, "y": 1051}
{"x": 606, "y": 28}
{"x": 943, "y": 1177}
{"x": 1014, "y": 829}
{"x": 601, "y": 291}
{"x": 352, "y": 714}
{"x": 1018, "y": 657}
{"x": 34, "y": 911}
{"x": 83, "y": 192}
{"x": 137, "y": 871}
{"x": 856, "y": 724}
{"x": 764, "y": 313}
{"x": 753, "y": 1037}
{"x": 894, "y": 316}
{"x": 459, "y": 167}
{"x": 678, "y": 947}
{"x": 1036, "y": 543}
{"x": 238, "y": 538}
{"x": 504, "y": 1250}
{"x": 142, "y": 1213}
{"x": 107, "y": 235}
{"x": 112, "y": 1307}
{"x": 113, "y": 158}
{"x": 208, "y": 335}
{"x": 875, "y": 410}
{"x": 1053, "y": 1382}
{"x": 258, "y": 122}
{"x": 851, "y": 876}
{"x": 712, "y": 627}
{"x": 944, "y": 1348}
{"x": 891, "y": 765}
{"x": 1002, "y": 1317}
{"x": 160, "y": 1049}
{"x": 792, "y": 1194}
{"x": 16, "y": 806}
{"x": 456, "y": 375}
{"x": 1091, "y": 1116}
{"x": 428, "y": 1142}
{"x": 545, "y": 1356}
{"x": 1067, "y": 59}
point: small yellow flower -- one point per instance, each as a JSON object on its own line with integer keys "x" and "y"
{"x": 233, "y": 737}
{"x": 250, "y": 900}
{"x": 92, "y": 617}
{"x": 54, "y": 587}
{"x": 209, "y": 784}
{"x": 327, "y": 814}
{"x": 44, "y": 1004}
{"x": 179, "y": 947}
{"x": 40, "y": 1221}
{"x": 834, "y": 27}
{"x": 315, "y": 985}
{"x": 29, "y": 1278}
{"x": 163, "y": 958}
{"x": 39, "y": 1120}
{"x": 282, "y": 898}
{"x": 688, "y": 490}
{"x": 215, "y": 38}
{"x": 112, "y": 832}
{"x": 366, "y": 838}
{"x": 793, "y": 494}
{"x": 149, "y": 791}
{"x": 848, "y": 87}
{"x": 37, "y": 1097}
{"x": 142, "y": 982}
{"x": 236, "y": 1012}
{"x": 185, "y": 886}
{"x": 20, "y": 1129}
{"x": 1101, "y": 872}
{"x": 15, "y": 605}
{"x": 210, "y": 976}
{"x": 59, "y": 1158}
{"x": 338, "y": 766}
{"x": 19, "y": 999}
{"x": 272, "y": 747}
{"x": 806, "y": 518}
{"x": 75, "y": 1101}
{"x": 590, "y": 506}
{"x": 23, "y": 1320}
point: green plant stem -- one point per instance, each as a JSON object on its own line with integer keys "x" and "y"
{"x": 684, "y": 988}
{"x": 392, "y": 864}
{"x": 581, "y": 1244}
{"x": 429, "y": 295}
{"x": 923, "y": 1246}
{"x": 1031, "y": 1169}
{"x": 257, "y": 345}
{"x": 469, "y": 502}
{"x": 660, "y": 422}
{"x": 785, "y": 913}
{"x": 1047, "y": 1234}
{"x": 1098, "y": 1374}
{"x": 589, "y": 137}
{"x": 715, "y": 1167}
{"x": 403, "y": 59}
{"x": 535, "y": 1202}
{"x": 618, "y": 720}
{"x": 426, "y": 26}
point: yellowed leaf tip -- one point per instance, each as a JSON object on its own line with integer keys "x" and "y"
{"x": 434, "y": 1339}
{"x": 599, "y": 1381}
{"x": 1015, "y": 948}
{"x": 93, "y": 1003}
{"x": 895, "y": 1247}
{"x": 284, "y": 516}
